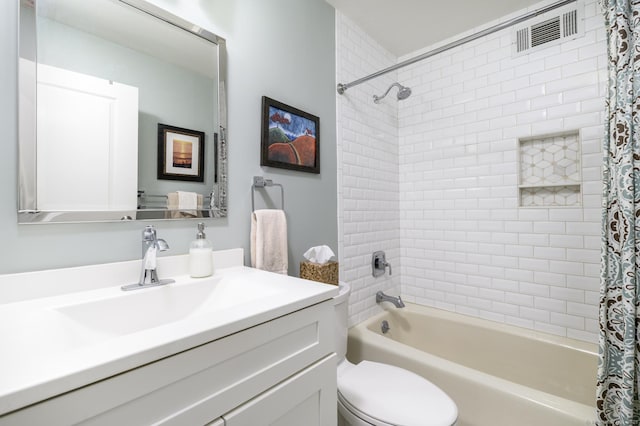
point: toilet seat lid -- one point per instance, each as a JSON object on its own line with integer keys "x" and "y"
{"x": 396, "y": 396}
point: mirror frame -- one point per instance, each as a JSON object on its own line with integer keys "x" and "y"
{"x": 27, "y": 209}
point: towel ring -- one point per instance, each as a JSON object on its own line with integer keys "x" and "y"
{"x": 261, "y": 182}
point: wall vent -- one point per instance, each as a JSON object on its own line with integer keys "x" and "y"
{"x": 549, "y": 29}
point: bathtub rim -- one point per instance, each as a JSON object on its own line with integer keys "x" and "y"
{"x": 461, "y": 318}
{"x": 400, "y": 350}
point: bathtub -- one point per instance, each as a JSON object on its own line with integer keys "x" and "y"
{"x": 498, "y": 375}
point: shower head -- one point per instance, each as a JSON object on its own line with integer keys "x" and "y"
{"x": 403, "y": 93}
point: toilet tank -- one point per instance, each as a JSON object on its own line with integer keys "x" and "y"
{"x": 341, "y": 308}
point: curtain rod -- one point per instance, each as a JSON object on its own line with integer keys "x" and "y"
{"x": 343, "y": 87}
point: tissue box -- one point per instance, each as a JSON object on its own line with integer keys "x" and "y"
{"x": 325, "y": 273}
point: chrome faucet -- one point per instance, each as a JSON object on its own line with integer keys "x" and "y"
{"x": 397, "y": 301}
{"x": 151, "y": 245}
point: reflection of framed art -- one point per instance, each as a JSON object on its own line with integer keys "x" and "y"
{"x": 290, "y": 137}
{"x": 180, "y": 153}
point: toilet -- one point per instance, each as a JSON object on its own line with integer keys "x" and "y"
{"x": 372, "y": 393}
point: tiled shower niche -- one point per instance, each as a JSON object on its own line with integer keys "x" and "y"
{"x": 550, "y": 171}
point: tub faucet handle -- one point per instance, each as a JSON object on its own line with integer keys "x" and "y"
{"x": 379, "y": 264}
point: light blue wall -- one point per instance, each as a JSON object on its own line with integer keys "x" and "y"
{"x": 284, "y": 49}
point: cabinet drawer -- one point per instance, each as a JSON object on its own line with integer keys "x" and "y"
{"x": 308, "y": 398}
{"x": 198, "y": 385}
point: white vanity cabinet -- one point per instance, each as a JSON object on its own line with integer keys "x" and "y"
{"x": 281, "y": 372}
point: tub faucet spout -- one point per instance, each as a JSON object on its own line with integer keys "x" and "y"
{"x": 397, "y": 301}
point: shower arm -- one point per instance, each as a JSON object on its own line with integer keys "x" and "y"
{"x": 376, "y": 99}
{"x": 342, "y": 87}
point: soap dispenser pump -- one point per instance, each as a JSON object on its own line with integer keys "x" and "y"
{"x": 200, "y": 255}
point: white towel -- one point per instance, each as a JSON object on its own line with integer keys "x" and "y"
{"x": 187, "y": 200}
{"x": 176, "y": 209}
{"x": 269, "y": 241}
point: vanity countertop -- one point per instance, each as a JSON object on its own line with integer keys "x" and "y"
{"x": 66, "y": 328}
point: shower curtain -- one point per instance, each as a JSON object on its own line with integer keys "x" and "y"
{"x": 617, "y": 382}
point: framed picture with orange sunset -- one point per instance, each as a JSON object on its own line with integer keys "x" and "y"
{"x": 290, "y": 137}
{"x": 180, "y": 154}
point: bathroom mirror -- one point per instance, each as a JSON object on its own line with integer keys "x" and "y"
{"x": 122, "y": 114}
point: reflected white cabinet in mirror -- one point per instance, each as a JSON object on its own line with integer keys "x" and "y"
{"x": 122, "y": 114}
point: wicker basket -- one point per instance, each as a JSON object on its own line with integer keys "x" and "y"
{"x": 325, "y": 273}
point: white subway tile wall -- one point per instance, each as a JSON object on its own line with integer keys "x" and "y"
{"x": 368, "y": 173}
{"x": 448, "y": 185}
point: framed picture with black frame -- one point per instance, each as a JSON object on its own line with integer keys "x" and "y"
{"x": 180, "y": 154}
{"x": 290, "y": 137}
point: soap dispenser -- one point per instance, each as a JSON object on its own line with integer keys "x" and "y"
{"x": 200, "y": 255}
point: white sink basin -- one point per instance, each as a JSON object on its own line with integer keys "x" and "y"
{"x": 133, "y": 311}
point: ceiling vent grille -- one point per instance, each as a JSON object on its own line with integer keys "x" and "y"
{"x": 570, "y": 26}
{"x": 545, "y": 32}
{"x": 549, "y": 29}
